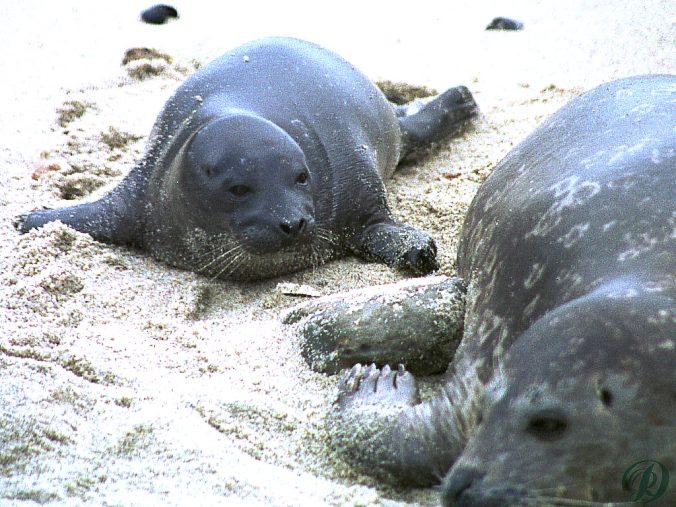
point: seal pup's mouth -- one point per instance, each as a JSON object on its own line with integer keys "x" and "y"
{"x": 255, "y": 252}
{"x": 321, "y": 246}
{"x": 267, "y": 249}
{"x": 230, "y": 256}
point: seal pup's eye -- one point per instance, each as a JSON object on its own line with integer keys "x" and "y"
{"x": 239, "y": 190}
{"x": 302, "y": 178}
{"x": 547, "y": 426}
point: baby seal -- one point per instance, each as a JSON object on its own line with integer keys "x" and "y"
{"x": 564, "y": 381}
{"x": 268, "y": 160}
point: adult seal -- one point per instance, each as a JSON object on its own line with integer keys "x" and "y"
{"x": 268, "y": 160}
{"x": 565, "y": 376}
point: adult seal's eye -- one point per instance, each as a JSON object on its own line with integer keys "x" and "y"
{"x": 239, "y": 190}
{"x": 547, "y": 427}
{"x": 302, "y": 178}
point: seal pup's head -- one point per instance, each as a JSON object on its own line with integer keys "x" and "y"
{"x": 247, "y": 178}
{"x": 584, "y": 394}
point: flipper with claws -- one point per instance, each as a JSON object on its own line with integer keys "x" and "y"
{"x": 380, "y": 427}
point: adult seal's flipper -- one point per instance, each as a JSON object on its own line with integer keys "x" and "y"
{"x": 379, "y": 426}
{"x": 417, "y": 322}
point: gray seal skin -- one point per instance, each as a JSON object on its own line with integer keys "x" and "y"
{"x": 565, "y": 375}
{"x": 268, "y": 160}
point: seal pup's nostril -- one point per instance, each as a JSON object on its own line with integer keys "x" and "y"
{"x": 294, "y": 228}
{"x": 285, "y": 227}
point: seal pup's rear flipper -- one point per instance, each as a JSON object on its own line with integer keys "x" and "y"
{"x": 114, "y": 218}
{"x": 436, "y": 120}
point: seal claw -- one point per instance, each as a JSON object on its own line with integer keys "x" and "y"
{"x": 373, "y": 386}
{"x": 370, "y": 377}
{"x": 349, "y": 382}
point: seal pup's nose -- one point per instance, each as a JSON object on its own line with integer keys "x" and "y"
{"x": 457, "y": 483}
{"x": 298, "y": 228}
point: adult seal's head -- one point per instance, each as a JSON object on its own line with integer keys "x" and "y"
{"x": 599, "y": 397}
{"x": 246, "y": 178}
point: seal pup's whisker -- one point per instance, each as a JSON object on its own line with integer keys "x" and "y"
{"x": 216, "y": 261}
{"x": 236, "y": 266}
{"x": 217, "y": 247}
{"x": 203, "y": 260}
{"x": 219, "y": 257}
{"x": 326, "y": 235}
{"x": 209, "y": 254}
{"x": 222, "y": 267}
{"x": 239, "y": 253}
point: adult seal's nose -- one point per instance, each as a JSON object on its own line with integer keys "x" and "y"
{"x": 456, "y": 484}
{"x": 299, "y": 228}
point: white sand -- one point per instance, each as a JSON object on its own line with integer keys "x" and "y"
{"x": 124, "y": 382}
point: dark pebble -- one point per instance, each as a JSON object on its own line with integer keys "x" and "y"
{"x": 504, "y": 24}
{"x": 158, "y": 14}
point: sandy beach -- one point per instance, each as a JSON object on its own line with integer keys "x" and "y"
{"x": 126, "y": 382}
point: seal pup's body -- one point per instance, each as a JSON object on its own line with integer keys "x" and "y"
{"x": 268, "y": 160}
{"x": 565, "y": 375}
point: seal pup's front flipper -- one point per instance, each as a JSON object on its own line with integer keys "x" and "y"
{"x": 115, "y": 218}
{"x": 399, "y": 246}
{"x": 436, "y": 120}
{"x": 379, "y": 427}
